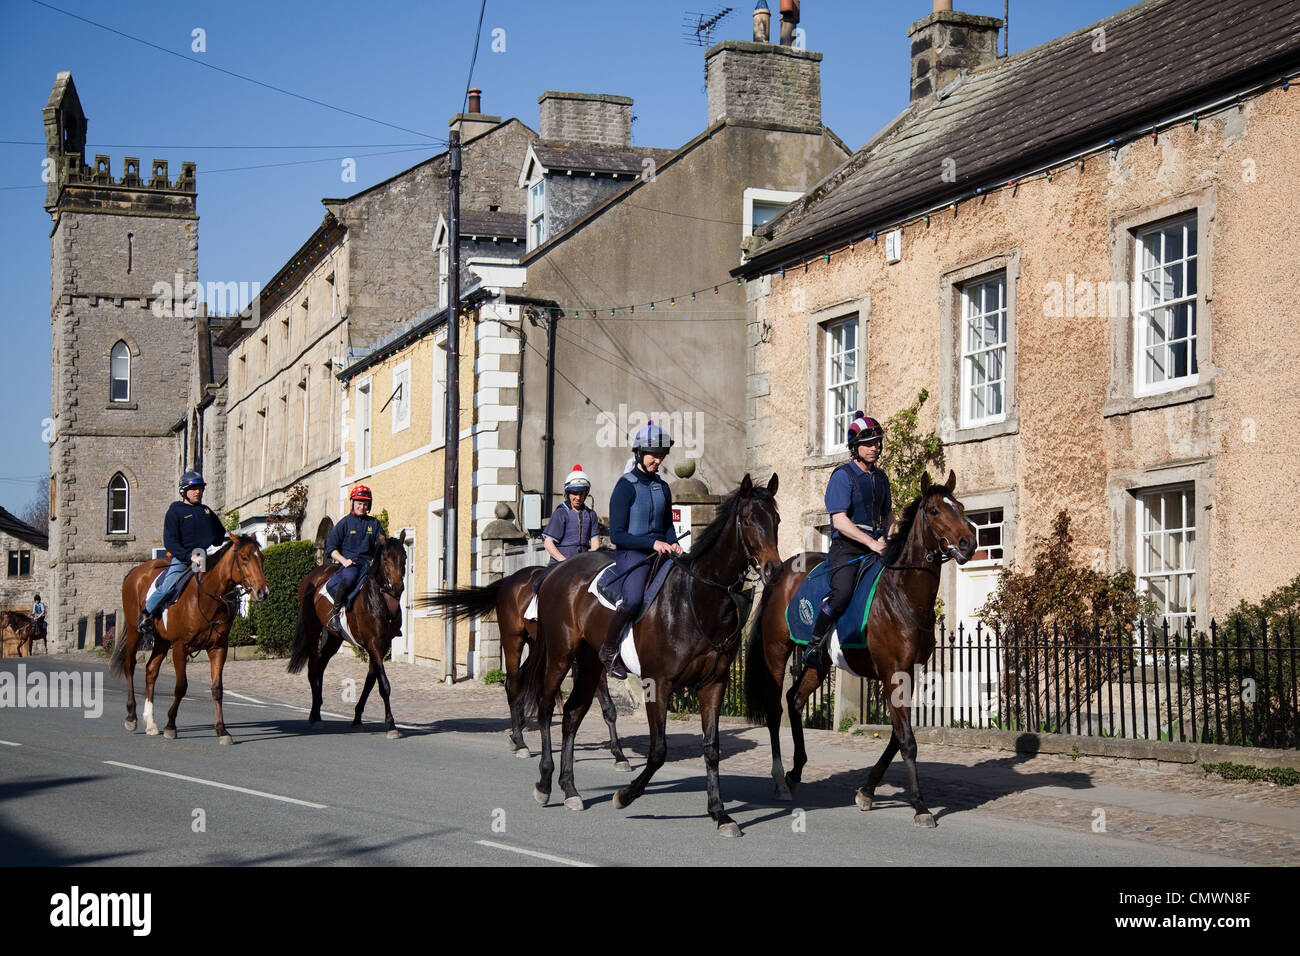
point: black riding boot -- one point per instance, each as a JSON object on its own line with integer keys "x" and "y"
{"x": 609, "y": 655}
{"x": 816, "y": 646}
{"x": 145, "y": 625}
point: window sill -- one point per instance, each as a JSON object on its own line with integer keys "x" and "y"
{"x": 957, "y": 436}
{"x": 1139, "y": 403}
{"x": 826, "y": 461}
{"x": 122, "y": 406}
{"x": 119, "y": 537}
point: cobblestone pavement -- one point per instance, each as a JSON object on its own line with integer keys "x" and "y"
{"x": 1241, "y": 822}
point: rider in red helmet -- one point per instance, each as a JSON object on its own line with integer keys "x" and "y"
{"x": 353, "y": 543}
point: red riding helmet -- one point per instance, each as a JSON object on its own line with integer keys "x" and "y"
{"x": 361, "y": 493}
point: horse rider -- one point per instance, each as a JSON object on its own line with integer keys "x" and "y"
{"x": 354, "y": 542}
{"x": 189, "y": 526}
{"x": 640, "y": 526}
{"x": 573, "y": 527}
{"x": 38, "y": 617}
{"x": 860, "y": 502}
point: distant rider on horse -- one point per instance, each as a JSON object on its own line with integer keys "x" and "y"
{"x": 859, "y": 501}
{"x": 640, "y": 526}
{"x": 573, "y": 527}
{"x": 39, "y": 619}
{"x": 354, "y": 542}
{"x": 189, "y": 526}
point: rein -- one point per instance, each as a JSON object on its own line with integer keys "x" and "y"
{"x": 228, "y": 601}
{"x": 934, "y": 557}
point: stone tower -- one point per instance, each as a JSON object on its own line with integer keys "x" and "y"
{"x": 123, "y": 357}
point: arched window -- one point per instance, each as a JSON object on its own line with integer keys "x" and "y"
{"x": 119, "y": 373}
{"x": 117, "y": 504}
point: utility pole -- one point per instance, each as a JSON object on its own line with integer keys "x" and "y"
{"x": 552, "y": 319}
{"x": 451, "y": 444}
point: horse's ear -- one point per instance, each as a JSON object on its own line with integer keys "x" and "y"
{"x": 401, "y": 538}
{"x": 233, "y": 537}
{"x": 925, "y": 482}
{"x": 771, "y": 484}
{"x": 952, "y": 480}
{"x": 746, "y": 486}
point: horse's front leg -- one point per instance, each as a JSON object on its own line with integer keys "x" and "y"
{"x": 610, "y": 713}
{"x": 216, "y": 665}
{"x": 902, "y": 720}
{"x": 710, "y": 707}
{"x": 371, "y": 677}
{"x": 656, "y": 711}
{"x": 151, "y": 670}
{"x": 182, "y": 685}
{"x": 806, "y": 680}
{"x": 385, "y": 689}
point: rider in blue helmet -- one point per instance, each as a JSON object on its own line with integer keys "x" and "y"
{"x": 189, "y": 526}
{"x": 860, "y": 502}
{"x": 640, "y": 526}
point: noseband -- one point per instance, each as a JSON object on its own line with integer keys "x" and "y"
{"x": 934, "y": 557}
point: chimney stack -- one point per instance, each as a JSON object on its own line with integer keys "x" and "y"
{"x": 763, "y": 83}
{"x": 947, "y": 43}
{"x": 475, "y": 122}
{"x": 597, "y": 118}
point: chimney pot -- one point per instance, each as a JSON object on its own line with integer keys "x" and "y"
{"x": 475, "y": 101}
{"x": 789, "y": 20}
{"x": 762, "y": 22}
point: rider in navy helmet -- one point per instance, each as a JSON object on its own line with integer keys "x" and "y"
{"x": 189, "y": 526}
{"x": 860, "y": 502}
{"x": 640, "y": 526}
{"x": 573, "y": 527}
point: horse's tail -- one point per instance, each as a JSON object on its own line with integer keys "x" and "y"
{"x": 461, "y": 603}
{"x": 757, "y": 677}
{"x": 532, "y": 679}
{"x": 117, "y": 659}
{"x": 301, "y": 647}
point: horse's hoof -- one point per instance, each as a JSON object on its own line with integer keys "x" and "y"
{"x": 152, "y": 731}
{"x": 540, "y": 797}
{"x": 394, "y": 734}
{"x": 225, "y": 739}
{"x": 574, "y": 803}
{"x": 925, "y": 820}
{"x": 355, "y": 725}
{"x": 620, "y": 800}
{"x": 863, "y": 800}
{"x": 623, "y": 766}
{"x": 523, "y": 752}
{"x": 728, "y": 829}
{"x": 170, "y": 733}
{"x": 791, "y": 784}
{"x": 130, "y": 724}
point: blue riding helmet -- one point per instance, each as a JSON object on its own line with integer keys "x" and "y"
{"x": 192, "y": 479}
{"x": 653, "y": 439}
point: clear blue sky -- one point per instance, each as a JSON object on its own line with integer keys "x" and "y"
{"x": 402, "y": 63}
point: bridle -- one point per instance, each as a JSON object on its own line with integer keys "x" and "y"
{"x": 229, "y": 601}
{"x": 740, "y": 597}
{"x": 934, "y": 557}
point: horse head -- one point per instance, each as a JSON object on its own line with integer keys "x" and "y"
{"x": 247, "y": 571}
{"x": 758, "y": 520}
{"x": 945, "y": 529}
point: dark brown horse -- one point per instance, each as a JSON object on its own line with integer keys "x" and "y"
{"x": 900, "y": 637}
{"x": 685, "y": 638}
{"x": 199, "y": 621}
{"x": 24, "y": 629}
{"x": 510, "y": 598}
{"x": 373, "y": 622}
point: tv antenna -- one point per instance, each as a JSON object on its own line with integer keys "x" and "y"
{"x": 698, "y": 26}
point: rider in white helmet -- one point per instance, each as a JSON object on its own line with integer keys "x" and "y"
{"x": 573, "y": 527}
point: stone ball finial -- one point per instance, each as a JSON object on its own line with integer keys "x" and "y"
{"x": 685, "y": 468}
{"x": 502, "y": 511}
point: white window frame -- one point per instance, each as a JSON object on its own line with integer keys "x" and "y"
{"x": 125, "y": 510}
{"x": 537, "y": 233}
{"x": 969, "y": 355}
{"x": 362, "y": 426}
{"x": 833, "y": 437}
{"x": 1187, "y": 558}
{"x": 1000, "y": 524}
{"x": 444, "y": 280}
{"x": 112, "y": 357}
{"x": 436, "y": 552}
{"x": 438, "y": 398}
{"x": 1147, "y": 304}
{"x": 401, "y": 404}
{"x": 305, "y": 387}
{"x": 753, "y": 195}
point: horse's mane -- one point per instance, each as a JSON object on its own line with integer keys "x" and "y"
{"x": 370, "y": 593}
{"x": 894, "y": 546}
{"x": 726, "y": 511}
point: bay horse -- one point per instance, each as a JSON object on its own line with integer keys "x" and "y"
{"x": 686, "y": 637}
{"x": 900, "y": 637}
{"x": 509, "y": 599}
{"x": 198, "y": 621}
{"x": 24, "y": 629}
{"x": 373, "y": 621}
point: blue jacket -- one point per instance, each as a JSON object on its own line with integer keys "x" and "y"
{"x": 865, "y": 496}
{"x": 640, "y": 512}
{"x": 571, "y": 530}
{"x": 188, "y": 528}
{"x": 356, "y": 538}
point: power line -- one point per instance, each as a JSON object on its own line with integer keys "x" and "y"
{"x": 41, "y": 143}
{"x": 308, "y": 162}
{"x": 474, "y": 59}
{"x": 238, "y": 76}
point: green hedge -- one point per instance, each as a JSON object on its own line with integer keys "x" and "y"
{"x": 241, "y": 633}
{"x": 274, "y": 620}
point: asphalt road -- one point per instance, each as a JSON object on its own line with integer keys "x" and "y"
{"x": 77, "y": 790}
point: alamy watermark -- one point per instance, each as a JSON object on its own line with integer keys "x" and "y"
{"x": 75, "y": 909}
{"x": 75, "y": 690}
{"x": 180, "y": 299}
{"x": 617, "y": 430}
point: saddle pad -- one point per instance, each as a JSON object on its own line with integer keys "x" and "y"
{"x": 594, "y": 589}
{"x": 177, "y": 590}
{"x": 344, "y": 631}
{"x": 628, "y": 646}
{"x": 531, "y": 613}
{"x": 851, "y": 627}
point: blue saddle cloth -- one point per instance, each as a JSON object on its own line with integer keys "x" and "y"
{"x": 807, "y": 603}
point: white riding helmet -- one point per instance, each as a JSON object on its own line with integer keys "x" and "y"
{"x": 577, "y": 481}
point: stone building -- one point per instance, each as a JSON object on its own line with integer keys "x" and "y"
{"x": 367, "y": 271}
{"x": 124, "y": 365}
{"x": 1078, "y": 251}
{"x": 26, "y": 554}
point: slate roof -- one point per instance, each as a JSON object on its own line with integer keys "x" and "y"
{"x": 1020, "y": 113}
{"x": 478, "y": 223}
{"x": 589, "y": 158}
{"x": 17, "y": 528}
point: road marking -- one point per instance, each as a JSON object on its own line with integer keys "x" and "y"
{"x": 214, "y": 783}
{"x": 251, "y": 700}
{"x": 9, "y": 743}
{"x": 539, "y": 855}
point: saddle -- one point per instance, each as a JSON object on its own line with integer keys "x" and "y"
{"x": 177, "y": 589}
{"x": 851, "y": 628}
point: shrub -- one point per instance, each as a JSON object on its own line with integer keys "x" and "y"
{"x": 907, "y": 453}
{"x": 495, "y": 676}
{"x": 241, "y": 633}
{"x": 274, "y": 620}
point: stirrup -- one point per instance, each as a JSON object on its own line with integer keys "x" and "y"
{"x": 816, "y": 652}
